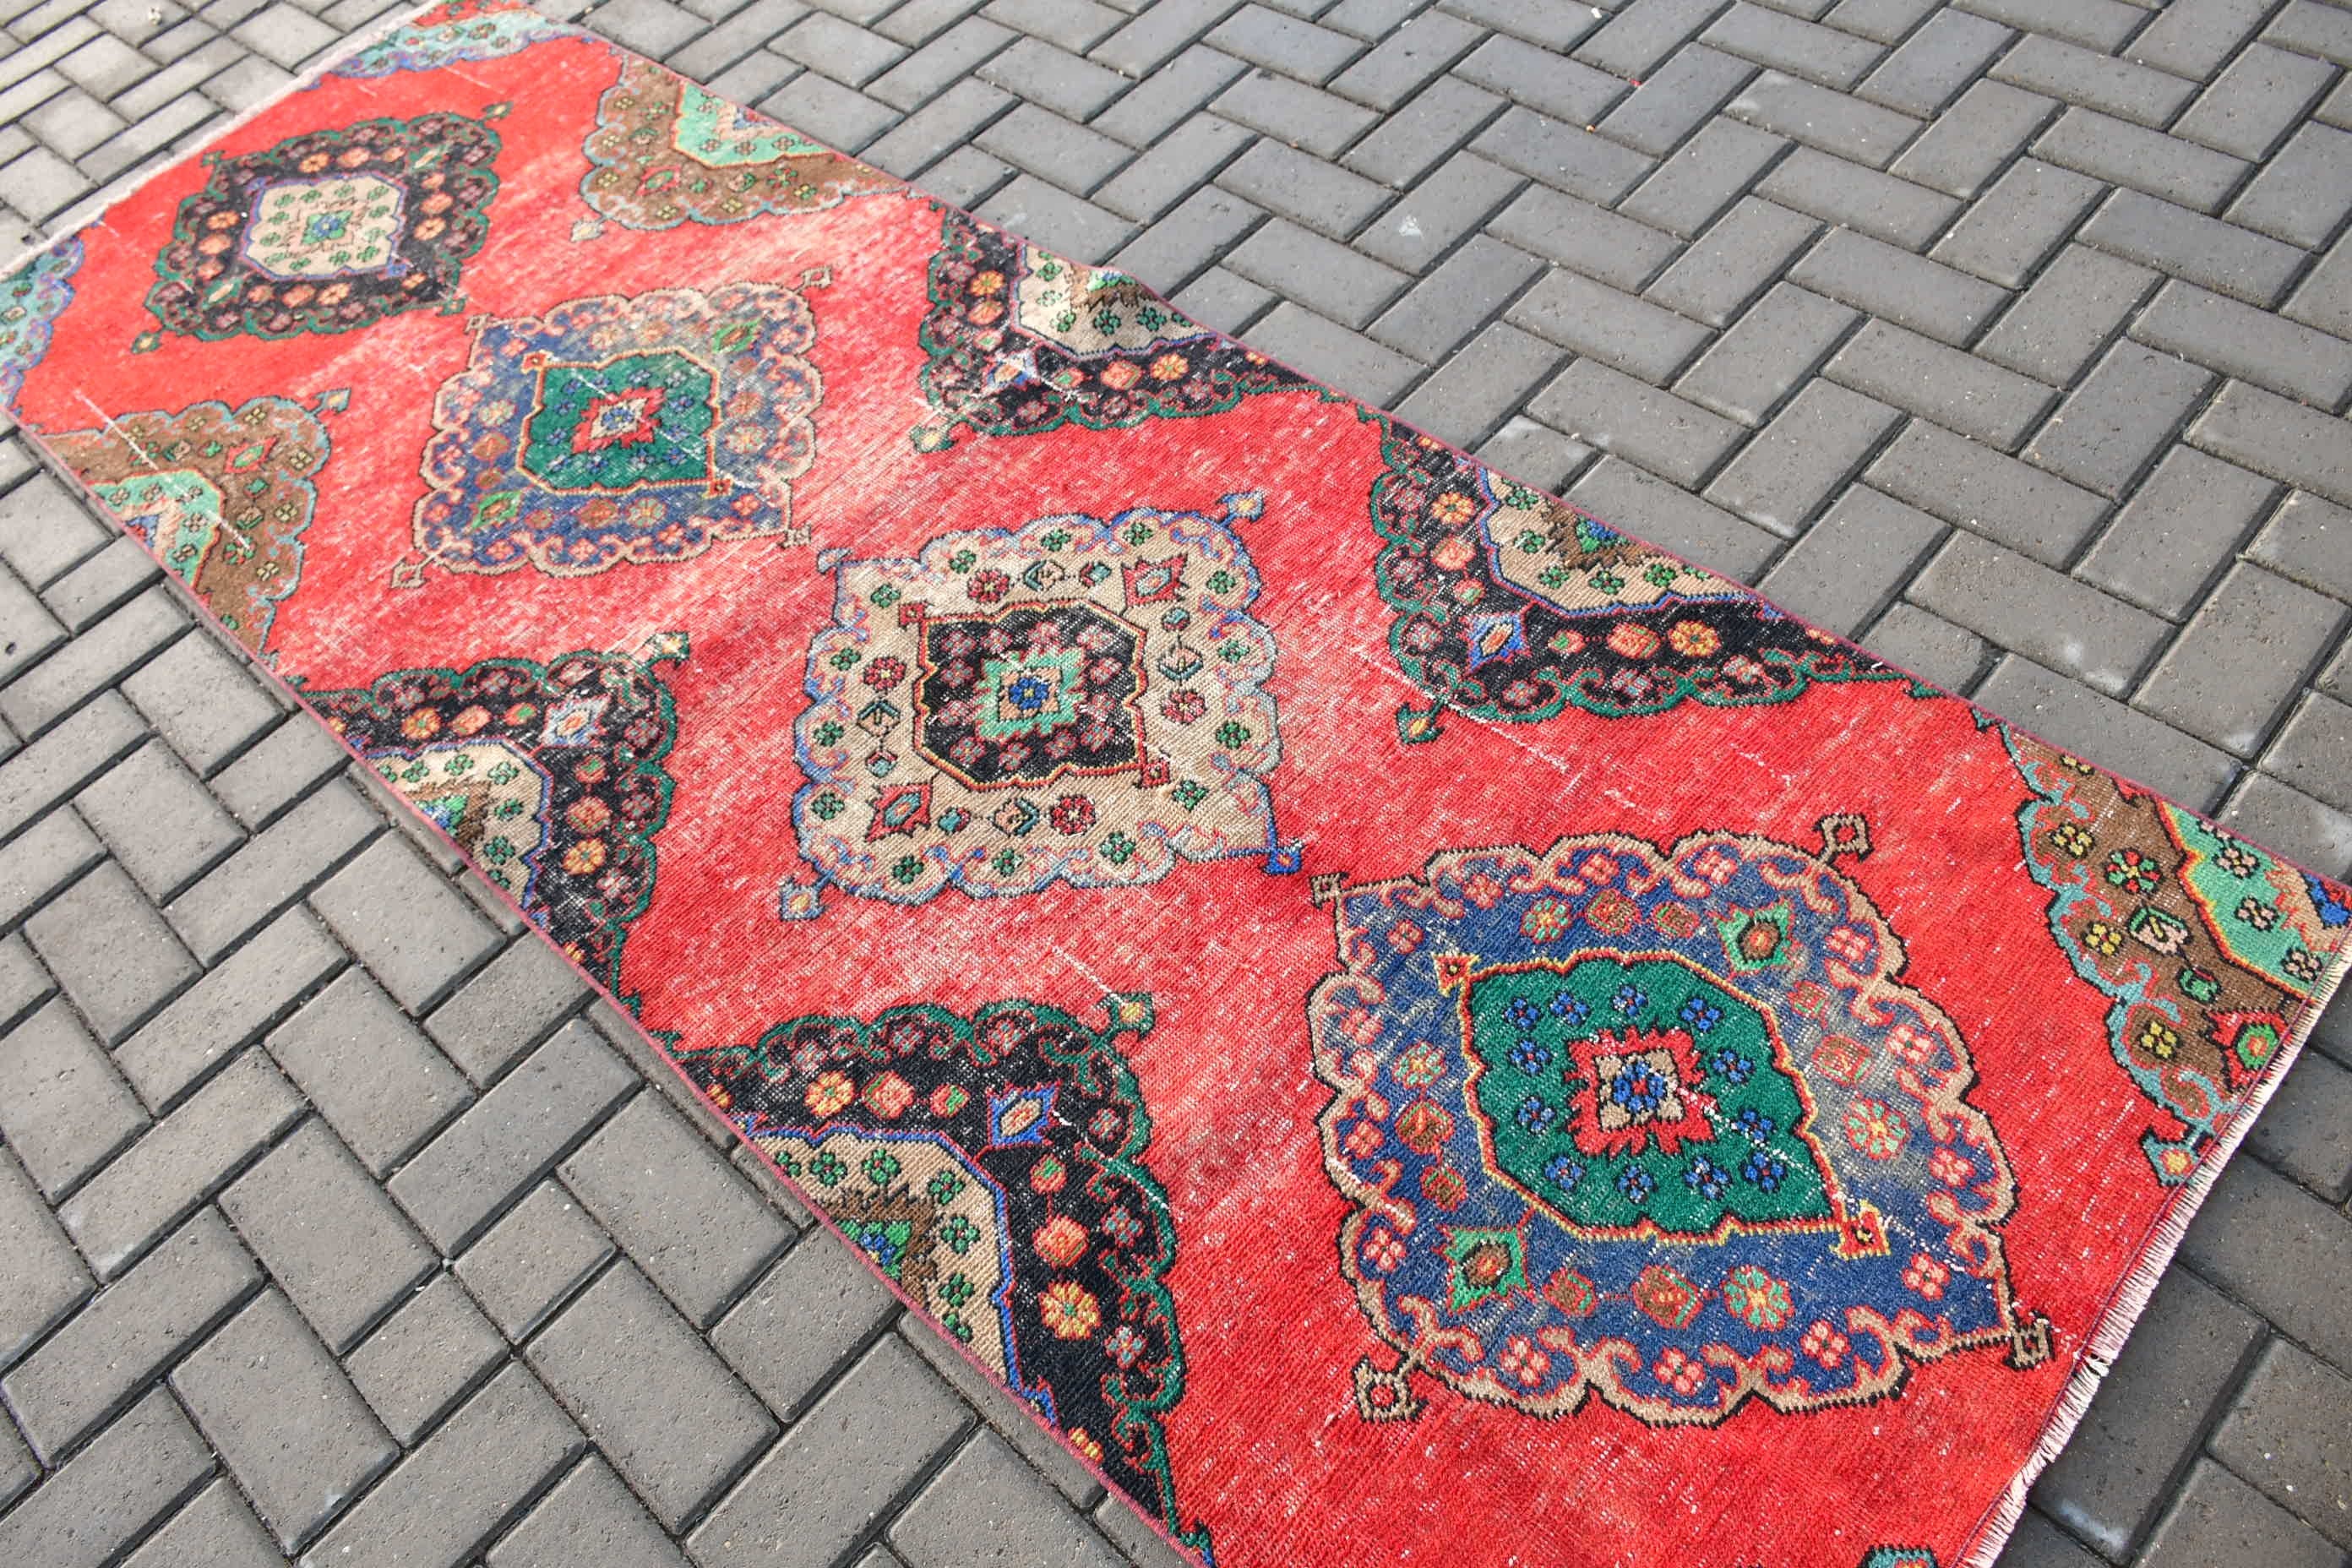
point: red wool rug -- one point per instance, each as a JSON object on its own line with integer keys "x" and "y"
{"x": 1401, "y": 1023}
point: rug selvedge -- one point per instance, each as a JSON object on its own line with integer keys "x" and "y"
{"x": 993, "y": 1167}
{"x": 548, "y": 775}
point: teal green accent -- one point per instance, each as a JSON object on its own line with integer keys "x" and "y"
{"x": 678, "y": 452}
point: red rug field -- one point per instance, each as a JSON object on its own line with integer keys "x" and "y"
{"x": 1405, "y": 1025}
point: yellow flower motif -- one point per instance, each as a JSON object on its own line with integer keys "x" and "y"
{"x": 1069, "y": 1310}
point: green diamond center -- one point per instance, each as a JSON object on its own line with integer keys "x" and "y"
{"x": 1624, "y": 1092}
{"x": 640, "y": 419}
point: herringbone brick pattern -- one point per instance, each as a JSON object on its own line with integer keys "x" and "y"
{"x": 2008, "y": 336}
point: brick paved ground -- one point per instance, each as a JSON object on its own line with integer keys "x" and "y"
{"x": 2009, "y": 334}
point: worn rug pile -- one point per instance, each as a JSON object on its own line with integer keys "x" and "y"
{"x": 1403, "y": 1023}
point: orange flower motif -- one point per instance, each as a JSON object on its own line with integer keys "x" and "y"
{"x": 1120, "y": 374}
{"x": 421, "y": 725}
{"x": 989, "y": 282}
{"x": 1632, "y": 641}
{"x": 584, "y": 856}
{"x": 1060, "y": 1241}
{"x": 1167, "y": 367}
{"x": 470, "y": 721}
{"x": 888, "y": 1096}
{"x": 1454, "y": 555}
{"x": 1069, "y": 1310}
{"x": 1454, "y": 508}
{"x": 1694, "y": 640}
{"x": 830, "y": 1094}
{"x": 588, "y": 814}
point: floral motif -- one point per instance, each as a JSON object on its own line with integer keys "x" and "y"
{"x": 548, "y": 777}
{"x": 622, "y": 429}
{"x": 1520, "y": 1123}
{"x": 450, "y": 33}
{"x": 1000, "y": 1183}
{"x": 664, "y": 151}
{"x": 1020, "y": 341}
{"x": 2209, "y": 950}
{"x": 31, "y": 300}
{"x": 328, "y": 231}
{"x": 221, "y": 495}
{"x": 1512, "y": 605}
{"x": 1081, "y": 701}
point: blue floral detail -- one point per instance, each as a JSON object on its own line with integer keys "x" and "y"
{"x": 1637, "y": 1185}
{"x": 1522, "y": 1013}
{"x": 1756, "y": 1125}
{"x": 1638, "y": 1087}
{"x": 1701, "y": 1015}
{"x": 1630, "y": 999}
{"x": 1536, "y": 1115}
{"x": 1531, "y": 1056}
{"x": 1572, "y": 1007}
{"x": 1706, "y": 1178}
{"x": 1730, "y": 1066}
{"x": 1765, "y": 1169}
{"x": 1563, "y": 1172}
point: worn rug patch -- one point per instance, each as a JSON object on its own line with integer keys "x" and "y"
{"x": 1400, "y": 1021}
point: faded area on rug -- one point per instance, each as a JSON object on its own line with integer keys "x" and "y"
{"x": 1396, "y": 1018}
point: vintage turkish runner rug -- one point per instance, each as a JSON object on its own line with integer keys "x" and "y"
{"x": 1401, "y": 1023}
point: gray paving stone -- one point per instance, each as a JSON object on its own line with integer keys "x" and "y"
{"x": 1832, "y": 189}
{"x": 1847, "y": 128}
{"x": 100, "y": 585}
{"x": 44, "y": 531}
{"x": 2082, "y": 76}
{"x": 1669, "y": 104}
{"x": 1563, "y": 155}
{"x": 1321, "y": 196}
{"x": 2252, "y": 345}
{"x": 940, "y": 60}
{"x": 327, "y": 1234}
{"x": 835, "y": 115}
{"x": 1617, "y": 329}
{"x": 2067, "y": 315}
{"x": 1316, "y": 346}
{"x": 28, "y": 628}
{"x": 376, "y": 1078}
{"x": 1455, "y": 197}
{"x": 1303, "y": 117}
{"x": 694, "y": 1227}
{"x": 2313, "y": 29}
{"x": 2301, "y": 195}
{"x": 814, "y": 1308}
{"x": 113, "y": 955}
{"x": 1705, "y": 174}
{"x": 649, "y": 27}
{"x": 2279, "y": 1250}
{"x": 1223, "y": 299}
{"x": 1182, "y": 245}
{"x": 945, "y": 123}
{"x": 2242, "y": 657}
{"x": 668, "y": 1414}
{"x": 2310, "y": 540}
{"x": 511, "y": 1136}
{"x": 1154, "y": 105}
{"x": 2123, "y": 739}
{"x": 2047, "y": 616}
{"x": 1939, "y": 382}
{"x": 18, "y": 1470}
{"x": 2170, "y": 238}
{"x": 62, "y": 1109}
{"x": 2177, "y": 530}
{"x": 2185, "y": 1355}
{"x": 1535, "y": 454}
{"x": 848, "y": 54}
{"x": 1971, "y": 484}
{"x": 461, "y": 1485}
{"x": 158, "y": 821}
{"x": 1651, "y": 508}
{"x": 93, "y": 660}
{"x": 1323, "y": 276}
{"x": 2122, "y": 153}
{"x": 2312, "y": 750}
{"x": 2262, "y": 93}
{"x": 273, "y": 870}
{"x": 506, "y": 1008}
{"x": 2221, "y": 1519}
{"x": 1945, "y": 55}
{"x": 2121, "y": 416}
{"x": 1769, "y": 37}
{"x": 179, "y": 1163}
{"x": 427, "y": 1356}
{"x": 1793, "y": 467}
{"x": 838, "y": 1469}
{"x": 1157, "y": 34}
{"x": 533, "y": 1259}
{"x": 1408, "y": 142}
{"x": 986, "y": 1506}
{"x": 1972, "y": 141}
{"x": 1455, "y": 299}
{"x": 1630, "y": 44}
{"x": 292, "y": 1429}
{"x": 2287, "y": 1434}
{"x": 2307, "y": 1129}
{"x": 2324, "y": 299}
{"x": 228, "y": 1008}
{"x": 1740, "y": 254}
{"x": 1465, "y": 398}
{"x": 45, "y": 1276}
{"x": 51, "y": 768}
{"x": 2192, "y": 37}
{"x": 52, "y": 853}
{"x": 2029, "y": 211}
{"x": 24, "y": 984}
{"x": 1124, "y": 1528}
{"x": 1286, "y": 44}
{"x": 1406, "y": 58}
{"x": 1041, "y": 73}
{"x": 415, "y": 933}
{"x": 1849, "y": 563}
{"x": 589, "y": 1518}
{"x": 1170, "y": 173}
{"x": 1773, "y": 347}
{"x": 1611, "y": 411}
{"x": 281, "y": 768}
{"x": 135, "y": 1473}
{"x": 217, "y": 1529}
{"x": 132, "y": 1330}
{"x": 1909, "y": 290}
{"x": 1584, "y": 238}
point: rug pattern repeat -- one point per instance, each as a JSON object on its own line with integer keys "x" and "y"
{"x": 1584, "y": 1058}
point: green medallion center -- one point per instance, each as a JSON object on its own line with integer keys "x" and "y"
{"x": 1619, "y": 1092}
{"x": 640, "y": 419}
